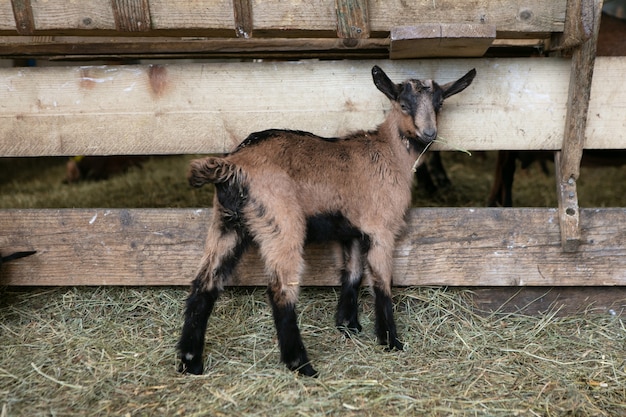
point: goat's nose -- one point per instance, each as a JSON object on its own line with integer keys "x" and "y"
{"x": 429, "y": 134}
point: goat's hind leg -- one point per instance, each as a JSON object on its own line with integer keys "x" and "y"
{"x": 223, "y": 251}
{"x": 199, "y": 307}
{"x": 351, "y": 276}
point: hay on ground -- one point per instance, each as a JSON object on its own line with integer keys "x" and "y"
{"x": 111, "y": 351}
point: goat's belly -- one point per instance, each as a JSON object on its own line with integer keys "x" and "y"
{"x": 333, "y": 227}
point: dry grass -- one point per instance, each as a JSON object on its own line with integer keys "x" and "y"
{"x": 36, "y": 183}
{"x": 110, "y": 351}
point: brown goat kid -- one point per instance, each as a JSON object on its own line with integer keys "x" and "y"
{"x": 281, "y": 188}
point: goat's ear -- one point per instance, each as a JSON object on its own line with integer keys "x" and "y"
{"x": 384, "y": 84}
{"x": 459, "y": 85}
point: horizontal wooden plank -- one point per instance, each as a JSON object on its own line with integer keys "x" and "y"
{"x": 449, "y": 246}
{"x": 89, "y": 48}
{"x": 93, "y": 47}
{"x": 431, "y": 40}
{"x": 215, "y": 15}
{"x": 297, "y": 17}
{"x": 294, "y": 17}
{"x": 512, "y": 19}
{"x": 73, "y": 15}
{"x": 512, "y": 104}
{"x": 560, "y": 301}
{"x": 7, "y": 17}
{"x": 606, "y": 124}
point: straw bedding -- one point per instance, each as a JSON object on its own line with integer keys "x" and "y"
{"x": 111, "y": 351}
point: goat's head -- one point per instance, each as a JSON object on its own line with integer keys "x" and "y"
{"x": 417, "y": 102}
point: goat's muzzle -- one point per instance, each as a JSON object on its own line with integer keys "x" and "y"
{"x": 428, "y": 135}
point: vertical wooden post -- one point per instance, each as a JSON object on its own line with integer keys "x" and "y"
{"x": 568, "y": 159}
{"x": 131, "y": 15}
{"x": 24, "y": 20}
{"x": 243, "y": 18}
{"x": 352, "y": 20}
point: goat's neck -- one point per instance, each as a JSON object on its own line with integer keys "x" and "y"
{"x": 406, "y": 150}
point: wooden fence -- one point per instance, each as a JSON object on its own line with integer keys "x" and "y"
{"x": 565, "y": 102}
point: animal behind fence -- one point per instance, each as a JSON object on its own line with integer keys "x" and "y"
{"x": 281, "y": 188}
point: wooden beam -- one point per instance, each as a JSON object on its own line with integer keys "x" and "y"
{"x": 73, "y": 16}
{"x": 560, "y": 301}
{"x": 352, "y": 20}
{"x": 569, "y": 212}
{"x": 605, "y": 117}
{"x": 192, "y": 17}
{"x": 244, "y": 25}
{"x": 131, "y": 15}
{"x": 456, "y": 246}
{"x": 87, "y": 48}
{"x": 512, "y": 104}
{"x": 579, "y": 25}
{"x": 23, "y": 13}
{"x": 583, "y": 60}
{"x": 512, "y": 19}
{"x": 212, "y": 107}
{"x": 431, "y": 40}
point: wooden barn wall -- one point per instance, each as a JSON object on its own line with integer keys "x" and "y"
{"x": 103, "y": 110}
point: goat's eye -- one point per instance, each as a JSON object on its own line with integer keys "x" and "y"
{"x": 404, "y": 107}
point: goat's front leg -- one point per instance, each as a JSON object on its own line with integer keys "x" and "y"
{"x": 380, "y": 266}
{"x": 351, "y": 276}
{"x": 385, "y": 324}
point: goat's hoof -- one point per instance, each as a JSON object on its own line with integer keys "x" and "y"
{"x": 349, "y": 329}
{"x": 307, "y": 370}
{"x": 190, "y": 366}
{"x": 394, "y": 345}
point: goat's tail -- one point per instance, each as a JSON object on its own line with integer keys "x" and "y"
{"x": 211, "y": 170}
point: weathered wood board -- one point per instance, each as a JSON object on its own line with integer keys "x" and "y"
{"x": 449, "y": 246}
{"x": 204, "y": 108}
{"x": 432, "y": 40}
{"x": 511, "y": 19}
{"x": 606, "y": 119}
{"x": 287, "y": 18}
{"x": 560, "y": 301}
{"x": 87, "y": 48}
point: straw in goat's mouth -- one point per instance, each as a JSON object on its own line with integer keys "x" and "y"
{"x": 438, "y": 140}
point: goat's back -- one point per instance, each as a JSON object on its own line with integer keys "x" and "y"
{"x": 356, "y": 175}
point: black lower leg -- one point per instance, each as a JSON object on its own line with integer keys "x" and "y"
{"x": 199, "y": 307}
{"x": 292, "y": 351}
{"x": 347, "y": 309}
{"x": 385, "y": 324}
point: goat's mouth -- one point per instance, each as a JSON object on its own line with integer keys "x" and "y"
{"x": 417, "y": 139}
{"x": 425, "y": 140}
